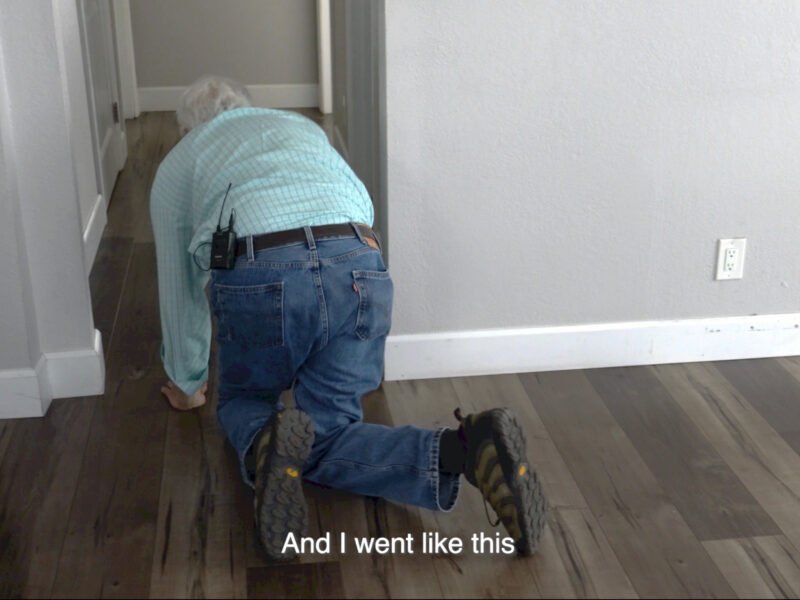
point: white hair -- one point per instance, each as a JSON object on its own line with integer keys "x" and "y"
{"x": 206, "y": 98}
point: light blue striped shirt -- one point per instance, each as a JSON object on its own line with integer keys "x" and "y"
{"x": 285, "y": 175}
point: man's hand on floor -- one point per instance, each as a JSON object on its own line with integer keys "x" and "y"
{"x": 180, "y": 401}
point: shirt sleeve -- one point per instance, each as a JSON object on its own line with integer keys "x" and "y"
{"x": 185, "y": 318}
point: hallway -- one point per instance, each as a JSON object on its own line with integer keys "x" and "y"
{"x": 676, "y": 480}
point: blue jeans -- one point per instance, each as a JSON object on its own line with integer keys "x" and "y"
{"x": 315, "y": 315}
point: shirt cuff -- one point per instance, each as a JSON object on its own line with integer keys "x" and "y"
{"x": 190, "y": 387}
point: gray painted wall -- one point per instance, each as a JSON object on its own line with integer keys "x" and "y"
{"x": 14, "y": 349}
{"x": 557, "y": 163}
{"x": 86, "y": 172}
{"x": 339, "y": 62}
{"x": 37, "y": 147}
{"x": 359, "y": 94}
{"x": 258, "y": 42}
{"x": 48, "y": 345}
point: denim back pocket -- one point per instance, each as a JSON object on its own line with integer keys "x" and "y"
{"x": 249, "y": 315}
{"x": 375, "y": 291}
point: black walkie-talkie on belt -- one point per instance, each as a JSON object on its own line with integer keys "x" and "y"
{"x": 223, "y": 242}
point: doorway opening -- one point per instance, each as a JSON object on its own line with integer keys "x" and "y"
{"x": 140, "y": 55}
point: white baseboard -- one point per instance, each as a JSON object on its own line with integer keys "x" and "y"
{"x": 77, "y": 372}
{"x": 94, "y": 232}
{"x": 299, "y": 95}
{"x": 28, "y": 392}
{"x": 20, "y": 396}
{"x": 120, "y": 153}
{"x": 488, "y": 352}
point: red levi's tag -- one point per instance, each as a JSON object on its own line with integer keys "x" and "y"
{"x": 355, "y": 287}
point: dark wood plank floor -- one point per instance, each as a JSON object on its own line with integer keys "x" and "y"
{"x": 664, "y": 481}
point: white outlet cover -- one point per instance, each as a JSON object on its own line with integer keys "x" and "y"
{"x": 738, "y": 245}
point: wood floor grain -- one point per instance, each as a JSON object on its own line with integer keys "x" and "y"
{"x": 129, "y": 206}
{"x": 658, "y": 550}
{"x": 760, "y": 567}
{"x": 707, "y": 493}
{"x": 315, "y": 580}
{"x": 759, "y": 456}
{"x": 111, "y": 526}
{"x": 39, "y": 464}
{"x": 106, "y": 282}
{"x": 431, "y": 402}
{"x": 592, "y": 569}
{"x": 771, "y": 389}
{"x": 200, "y": 542}
{"x": 664, "y": 481}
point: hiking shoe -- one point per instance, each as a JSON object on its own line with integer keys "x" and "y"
{"x": 280, "y": 507}
{"x": 497, "y": 464}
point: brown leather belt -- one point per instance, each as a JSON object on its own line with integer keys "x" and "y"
{"x": 320, "y": 232}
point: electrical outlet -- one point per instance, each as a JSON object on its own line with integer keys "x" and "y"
{"x": 730, "y": 258}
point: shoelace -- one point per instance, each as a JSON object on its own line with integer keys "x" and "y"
{"x": 460, "y": 417}
{"x": 488, "y": 518}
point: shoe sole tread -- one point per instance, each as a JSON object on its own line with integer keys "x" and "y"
{"x": 282, "y": 507}
{"x": 510, "y": 444}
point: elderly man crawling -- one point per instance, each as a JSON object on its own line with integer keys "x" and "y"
{"x": 259, "y": 201}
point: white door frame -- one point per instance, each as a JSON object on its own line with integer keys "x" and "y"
{"x": 110, "y": 150}
{"x": 46, "y": 150}
{"x": 126, "y": 61}
{"x": 324, "y": 56}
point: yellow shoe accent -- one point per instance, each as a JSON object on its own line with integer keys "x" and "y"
{"x": 291, "y": 472}
{"x": 522, "y": 470}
